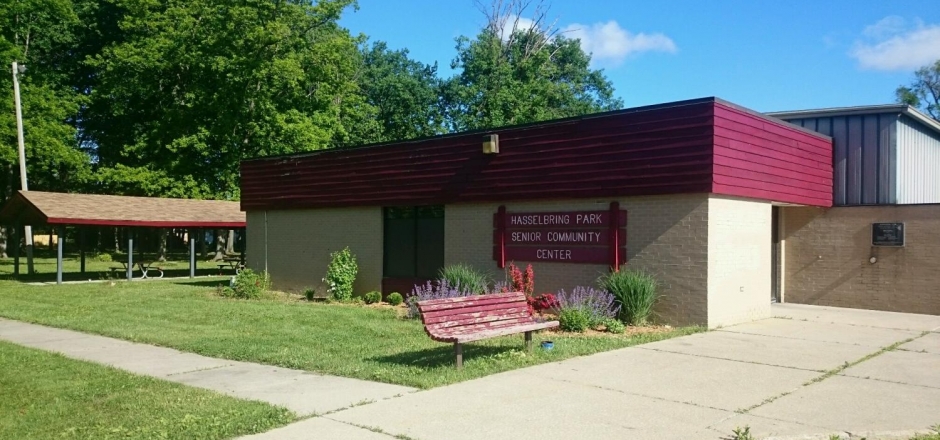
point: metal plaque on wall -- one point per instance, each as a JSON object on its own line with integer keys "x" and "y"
{"x": 887, "y": 234}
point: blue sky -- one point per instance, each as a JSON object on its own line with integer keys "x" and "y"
{"x": 766, "y": 55}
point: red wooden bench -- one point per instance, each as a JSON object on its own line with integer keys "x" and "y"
{"x": 472, "y": 318}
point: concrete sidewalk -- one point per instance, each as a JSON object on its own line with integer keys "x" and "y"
{"x": 808, "y": 373}
{"x": 784, "y": 378}
{"x": 302, "y": 392}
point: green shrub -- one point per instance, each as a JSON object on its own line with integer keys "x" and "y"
{"x": 104, "y": 257}
{"x": 341, "y": 274}
{"x": 634, "y": 291}
{"x": 395, "y": 298}
{"x": 248, "y": 284}
{"x": 612, "y": 325}
{"x": 574, "y": 320}
{"x": 372, "y": 297}
{"x": 465, "y": 278}
{"x": 310, "y": 294}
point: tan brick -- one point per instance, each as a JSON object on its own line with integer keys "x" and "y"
{"x": 297, "y": 245}
{"x": 828, "y": 252}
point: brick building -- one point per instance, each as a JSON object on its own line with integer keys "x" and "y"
{"x": 706, "y": 195}
{"x": 886, "y": 169}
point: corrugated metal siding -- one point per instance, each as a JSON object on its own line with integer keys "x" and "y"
{"x": 864, "y": 156}
{"x": 918, "y": 163}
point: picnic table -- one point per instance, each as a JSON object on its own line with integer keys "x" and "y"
{"x": 234, "y": 263}
{"x": 144, "y": 266}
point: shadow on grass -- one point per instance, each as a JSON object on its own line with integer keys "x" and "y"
{"x": 442, "y": 356}
{"x": 104, "y": 276}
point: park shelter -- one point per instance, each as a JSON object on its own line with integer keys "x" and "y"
{"x": 62, "y": 210}
{"x": 684, "y": 190}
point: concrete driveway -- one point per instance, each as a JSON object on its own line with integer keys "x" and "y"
{"x": 810, "y": 371}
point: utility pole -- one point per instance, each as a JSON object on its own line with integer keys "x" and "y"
{"x": 17, "y": 69}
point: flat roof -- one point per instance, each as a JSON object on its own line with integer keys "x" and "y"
{"x": 39, "y": 207}
{"x": 903, "y": 109}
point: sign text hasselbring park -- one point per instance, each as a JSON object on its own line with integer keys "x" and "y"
{"x": 584, "y": 237}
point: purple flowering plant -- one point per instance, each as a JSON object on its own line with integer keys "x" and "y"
{"x": 595, "y": 304}
{"x": 439, "y": 289}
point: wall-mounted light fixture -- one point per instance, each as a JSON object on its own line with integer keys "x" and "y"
{"x": 491, "y": 144}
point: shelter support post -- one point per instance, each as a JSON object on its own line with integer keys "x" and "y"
{"x": 130, "y": 254}
{"x": 81, "y": 247}
{"x": 14, "y": 242}
{"x": 60, "y": 231}
{"x": 28, "y": 234}
{"x": 192, "y": 253}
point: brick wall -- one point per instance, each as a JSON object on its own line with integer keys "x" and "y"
{"x": 666, "y": 235}
{"x": 299, "y": 243}
{"x": 828, "y": 252}
{"x": 711, "y": 254}
{"x": 739, "y": 263}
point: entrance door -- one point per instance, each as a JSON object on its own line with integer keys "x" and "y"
{"x": 413, "y": 246}
{"x": 775, "y": 255}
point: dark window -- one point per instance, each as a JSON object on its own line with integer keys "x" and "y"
{"x": 414, "y": 241}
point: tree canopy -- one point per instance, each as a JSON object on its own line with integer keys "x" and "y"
{"x": 924, "y": 91}
{"x": 513, "y": 76}
{"x": 165, "y": 98}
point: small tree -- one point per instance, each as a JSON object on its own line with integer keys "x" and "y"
{"x": 341, "y": 274}
{"x": 924, "y": 92}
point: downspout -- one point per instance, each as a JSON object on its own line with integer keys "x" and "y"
{"x": 266, "y": 243}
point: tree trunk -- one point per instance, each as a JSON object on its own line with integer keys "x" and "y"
{"x": 203, "y": 243}
{"x": 219, "y": 244}
{"x": 50, "y": 240}
{"x": 161, "y": 244}
{"x": 3, "y": 242}
{"x": 117, "y": 240}
{"x": 230, "y": 243}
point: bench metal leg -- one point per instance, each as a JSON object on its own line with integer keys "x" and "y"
{"x": 458, "y": 350}
{"x": 528, "y": 340}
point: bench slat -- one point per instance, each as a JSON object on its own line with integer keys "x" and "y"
{"x": 469, "y": 301}
{"x": 477, "y": 314}
{"x": 456, "y": 312}
{"x": 507, "y": 331}
{"x": 494, "y": 332}
{"x": 468, "y": 329}
{"x": 482, "y": 322}
{"x": 468, "y": 320}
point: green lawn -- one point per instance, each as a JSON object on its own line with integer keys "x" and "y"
{"x": 346, "y": 340}
{"x": 45, "y": 396}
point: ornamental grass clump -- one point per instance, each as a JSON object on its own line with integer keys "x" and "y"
{"x": 584, "y": 307}
{"x": 465, "y": 277}
{"x": 341, "y": 274}
{"x": 437, "y": 290}
{"x": 635, "y": 292}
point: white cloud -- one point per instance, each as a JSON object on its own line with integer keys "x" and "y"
{"x": 610, "y": 43}
{"x": 886, "y": 27}
{"x": 521, "y": 24}
{"x": 893, "y": 44}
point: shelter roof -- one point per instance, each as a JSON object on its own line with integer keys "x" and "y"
{"x": 38, "y": 207}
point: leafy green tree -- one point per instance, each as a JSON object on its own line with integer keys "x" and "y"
{"x": 36, "y": 33}
{"x": 924, "y": 92}
{"x": 511, "y": 75}
{"x": 33, "y": 32}
{"x": 191, "y": 87}
{"x": 405, "y": 92}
